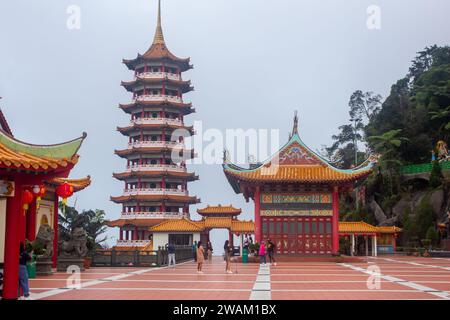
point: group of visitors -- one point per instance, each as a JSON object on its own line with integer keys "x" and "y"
{"x": 200, "y": 255}
{"x": 268, "y": 250}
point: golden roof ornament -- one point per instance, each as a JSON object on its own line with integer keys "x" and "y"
{"x": 159, "y": 37}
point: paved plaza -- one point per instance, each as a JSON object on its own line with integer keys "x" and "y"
{"x": 400, "y": 277}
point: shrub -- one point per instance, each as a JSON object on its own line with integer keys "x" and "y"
{"x": 436, "y": 176}
{"x": 432, "y": 236}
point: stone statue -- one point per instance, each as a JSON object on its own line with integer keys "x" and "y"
{"x": 44, "y": 239}
{"x": 75, "y": 246}
{"x": 442, "y": 152}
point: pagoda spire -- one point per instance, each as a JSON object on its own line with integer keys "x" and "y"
{"x": 295, "y": 126}
{"x": 159, "y": 37}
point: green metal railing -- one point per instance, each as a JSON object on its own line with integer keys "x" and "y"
{"x": 423, "y": 167}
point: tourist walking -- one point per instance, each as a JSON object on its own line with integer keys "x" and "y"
{"x": 171, "y": 252}
{"x": 271, "y": 252}
{"x": 24, "y": 286}
{"x": 209, "y": 251}
{"x": 200, "y": 257}
{"x": 227, "y": 254}
{"x": 262, "y": 253}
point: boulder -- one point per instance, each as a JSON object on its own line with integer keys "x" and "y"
{"x": 378, "y": 212}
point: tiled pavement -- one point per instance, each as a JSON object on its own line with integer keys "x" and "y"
{"x": 400, "y": 278}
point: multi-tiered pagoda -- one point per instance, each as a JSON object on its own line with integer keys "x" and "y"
{"x": 155, "y": 183}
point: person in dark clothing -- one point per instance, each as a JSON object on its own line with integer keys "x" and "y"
{"x": 271, "y": 251}
{"x": 171, "y": 254}
{"x": 227, "y": 252}
{"x": 24, "y": 257}
{"x": 209, "y": 251}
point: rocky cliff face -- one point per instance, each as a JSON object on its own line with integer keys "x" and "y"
{"x": 439, "y": 201}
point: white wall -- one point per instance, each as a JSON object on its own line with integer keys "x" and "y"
{"x": 2, "y": 228}
{"x": 196, "y": 237}
{"x": 160, "y": 240}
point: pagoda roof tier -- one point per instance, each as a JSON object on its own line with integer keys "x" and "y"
{"x": 152, "y": 150}
{"x": 174, "y": 198}
{"x": 219, "y": 210}
{"x": 77, "y": 184}
{"x": 152, "y": 126}
{"x": 184, "y": 108}
{"x": 158, "y": 51}
{"x": 134, "y": 222}
{"x": 177, "y": 225}
{"x": 19, "y": 155}
{"x": 294, "y": 163}
{"x": 185, "y": 86}
{"x": 188, "y": 176}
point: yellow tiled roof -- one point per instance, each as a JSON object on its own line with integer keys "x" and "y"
{"x": 388, "y": 229}
{"x": 356, "y": 227}
{"x": 216, "y": 222}
{"x": 220, "y": 209}
{"x": 242, "y": 226}
{"x": 298, "y": 173}
{"x": 181, "y": 225}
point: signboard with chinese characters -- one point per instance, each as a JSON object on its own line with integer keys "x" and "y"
{"x": 6, "y": 188}
{"x": 296, "y": 204}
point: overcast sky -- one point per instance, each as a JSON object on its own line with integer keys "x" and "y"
{"x": 255, "y": 62}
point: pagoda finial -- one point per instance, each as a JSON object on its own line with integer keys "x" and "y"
{"x": 295, "y": 127}
{"x": 159, "y": 37}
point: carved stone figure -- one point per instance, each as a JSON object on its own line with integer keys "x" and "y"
{"x": 44, "y": 239}
{"x": 442, "y": 151}
{"x": 75, "y": 246}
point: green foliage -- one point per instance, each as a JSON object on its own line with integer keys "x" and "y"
{"x": 432, "y": 235}
{"x": 423, "y": 217}
{"x": 436, "y": 177}
{"x": 93, "y": 221}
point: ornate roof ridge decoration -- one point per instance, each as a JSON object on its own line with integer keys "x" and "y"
{"x": 158, "y": 48}
{"x": 4, "y": 124}
{"x": 77, "y": 184}
{"x": 219, "y": 209}
{"x": 295, "y": 162}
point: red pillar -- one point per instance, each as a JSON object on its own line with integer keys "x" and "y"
{"x": 14, "y": 212}
{"x": 120, "y": 234}
{"x": 127, "y": 237}
{"x": 335, "y": 221}
{"x": 55, "y": 229}
{"x": 135, "y": 233}
{"x": 258, "y": 230}
{"x": 31, "y": 221}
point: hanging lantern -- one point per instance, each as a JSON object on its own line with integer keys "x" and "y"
{"x": 64, "y": 191}
{"x": 27, "y": 198}
{"x": 38, "y": 192}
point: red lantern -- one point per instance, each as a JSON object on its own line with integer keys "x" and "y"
{"x": 64, "y": 191}
{"x": 27, "y": 198}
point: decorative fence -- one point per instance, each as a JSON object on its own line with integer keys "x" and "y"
{"x": 139, "y": 258}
